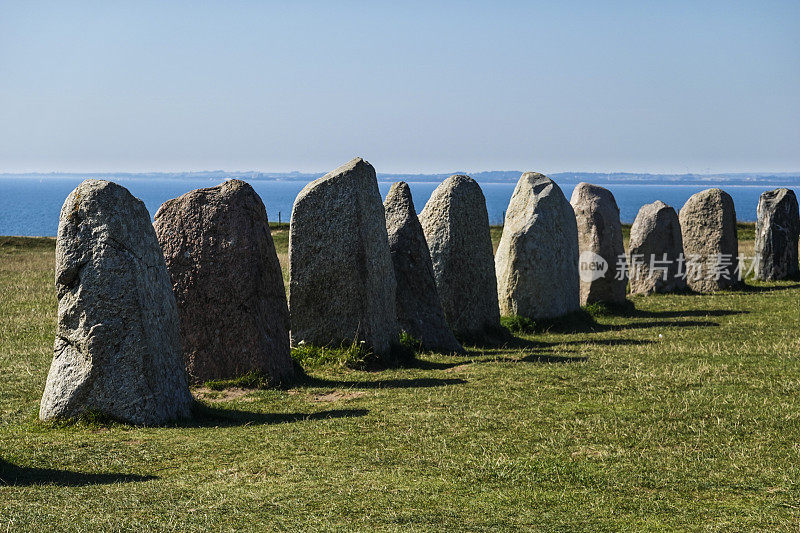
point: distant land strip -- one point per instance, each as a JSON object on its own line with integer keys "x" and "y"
{"x": 494, "y": 176}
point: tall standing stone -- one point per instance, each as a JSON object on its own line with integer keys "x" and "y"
{"x": 118, "y": 346}
{"x": 227, "y": 282}
{"x": 342, "y": 285}
{"x": 419, "y": 310}
{"x": 777, "y": 231}
{"x": 708, "y": 229}
{"x": 656, "y": 251}
{"x": 599, "y": 241}
{"x": 537, "y": 259}
{"x": 456, "y": 227}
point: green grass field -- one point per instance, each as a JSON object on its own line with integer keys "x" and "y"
{"x": 683, "y": 414}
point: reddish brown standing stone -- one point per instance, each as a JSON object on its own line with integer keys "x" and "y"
{"x": 227, "y": 282}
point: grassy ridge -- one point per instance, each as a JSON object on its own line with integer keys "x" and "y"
{"x": 683, "y": 413}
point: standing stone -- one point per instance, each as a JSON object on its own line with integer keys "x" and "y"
{"x": 227, "y": 282}
{"x": 777, "y": 231}
{"x": 656, "y": 242}
{"x": 456, "y": 226}
{"x": 537, "y": 259}
{"x": 419, "y": 310}
{"x": 118, "y": 346}
{"x": 599, "y": 241}
{"x": 342, "y": 286}
{"x": 708, "y": 229}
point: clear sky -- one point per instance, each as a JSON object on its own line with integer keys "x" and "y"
{"x": 659, "y": 86}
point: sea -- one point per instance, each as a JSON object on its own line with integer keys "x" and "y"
{"x": 30, "y": 204}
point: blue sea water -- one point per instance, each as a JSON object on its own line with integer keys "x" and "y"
{"x": 30, "y": 206}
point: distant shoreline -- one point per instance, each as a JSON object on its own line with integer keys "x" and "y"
{"x": 787, "y": 179}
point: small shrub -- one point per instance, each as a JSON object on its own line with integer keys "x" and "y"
{"x": 598, "y": 309}
{"x": 355, "y": 355}
{"x": 410, "y": 342}
{"x": 518, "y": 324}
{"x": 578, "y": 321}
{"x": 406, "y": 350}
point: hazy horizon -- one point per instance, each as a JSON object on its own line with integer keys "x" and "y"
{"x": 765, "y": 174}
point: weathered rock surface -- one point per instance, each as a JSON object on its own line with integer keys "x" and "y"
{"x": 600, "y": 234}
{"x": 419, "y": 310}
{"x": 708, "y": 229}
{"x": 118, "y": 346}
{"x": 777, "y": 230}
{"x": 537, "y": 259}
{"x": 456, "y": 227}
{"x": 227, "y": 282}
{"x": 656, "y": 249}
{"x": 342, "y": 285}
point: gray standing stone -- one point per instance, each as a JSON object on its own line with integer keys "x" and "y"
{"x": 342, "y": 285}
{"x": 777, "y": 231}
{"x": 537, "y": 259}
{"x": 708, "y": 229}
{"x": 456, "y": 227}
{"x": 118, "y": 346}
{"x": 419, "y": 309}
{"x": 599, "y": 236}
{"x": 227, "y": 282}
{"x": 656, "y": 242}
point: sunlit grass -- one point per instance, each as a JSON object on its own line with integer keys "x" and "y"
{"x": 679, "y": 413}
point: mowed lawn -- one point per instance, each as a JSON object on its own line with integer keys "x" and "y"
{"x": 681, "y": 414}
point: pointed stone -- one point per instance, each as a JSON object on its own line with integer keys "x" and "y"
{"x": 537, "y": 259}
{"x": 599, "y": 240}
{"x": 227, "y": 282}
{"x": 419, "y": 310}
{"x": 708, "y": 229}
{"x": 342, "y": 285}
{"x": 118, "y": 346}
{"x": 656, "y": 242}
{"x": 456, "y": 227}
{"x": 777, "y": 231}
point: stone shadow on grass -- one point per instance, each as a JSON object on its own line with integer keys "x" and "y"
{"x": 754, "y": 288}
{"x": 607, "y": 342}
{"x": 424, "y": 364}
{"x": 556, "y": 359}
{"x": 688, "y": 313}
{"x": 629, "y": 310}
{"x": 584, "y": 322}
{"x": 409, "y": 383}
{"x": 23, "y": 476}
{"x": 662, "y": 324}
{"x": 207, "y": 416}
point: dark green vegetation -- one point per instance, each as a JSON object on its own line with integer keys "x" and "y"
{"x": 746, "y": 231}
{"x": 681, "y": 412}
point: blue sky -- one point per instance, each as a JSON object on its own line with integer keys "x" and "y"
{"x": 674, "y": 86}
